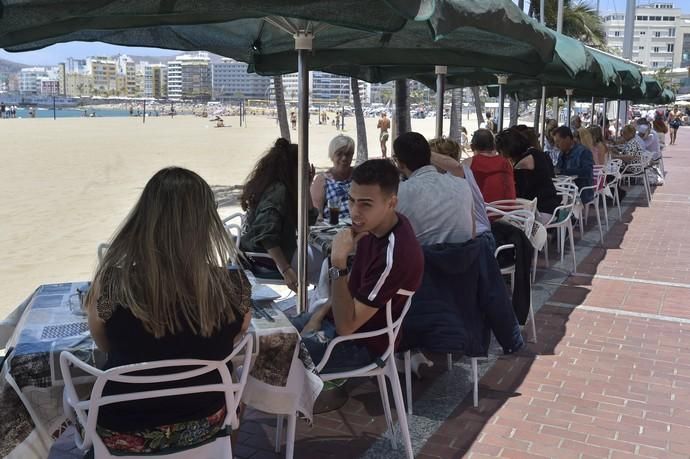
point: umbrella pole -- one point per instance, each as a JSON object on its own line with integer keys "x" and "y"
{"x": 543, "y": 114}
{"x": 441, "y": 71}
{"x": 618, "y": 116}
{"x": 502, "y": 81}
{"x": 303, "y": 45}
{"x": 604, "y": 117}
{"x": 569, "y": 110}
{"x": 591, "y": 115}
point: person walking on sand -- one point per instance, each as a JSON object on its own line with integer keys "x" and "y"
{"x": 383, "y": 125}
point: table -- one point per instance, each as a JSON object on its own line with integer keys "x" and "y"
{"x": 278, "y": 380}
{"x": 322, "y": 237}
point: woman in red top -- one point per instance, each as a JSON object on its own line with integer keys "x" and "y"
{"x": 493, "y": 172}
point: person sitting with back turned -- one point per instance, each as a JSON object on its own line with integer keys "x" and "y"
{"x": 439, "y": 206}
{"x": 270, "y": 199}
{"x": 388, "y": 261}
{"x": 493, "y": 172}
{"x": 575, "y": 159}
{"x": 161, "y": 292}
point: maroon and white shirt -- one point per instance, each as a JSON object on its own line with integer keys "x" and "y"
{"x": 384, "y": 269}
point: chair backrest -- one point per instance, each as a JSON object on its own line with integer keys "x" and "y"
{"x": 86, "y": 411}
{"x": 392, "y": 330}
{"x": 233, "y": 225}
{"x": 101, "y": 250}
{"x": 520, "y": 218}
{"x": 508, "y": 205}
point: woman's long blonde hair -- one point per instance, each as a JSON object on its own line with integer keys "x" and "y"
{"x": 167, "y": 262}
{"x": 586, "y": 138}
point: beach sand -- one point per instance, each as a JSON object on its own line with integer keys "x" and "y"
{"x": 67, "y": 184}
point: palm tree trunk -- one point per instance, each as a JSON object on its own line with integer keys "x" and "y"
{"x": 478, "y": 106}
{"x": 280, "y": 107}
{"x": 514, "y": 111}
{"x": 455, "y": 113}
{"x": 362, "y": 151}
{"x": 402, "y": 106}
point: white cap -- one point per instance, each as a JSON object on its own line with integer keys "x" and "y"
{"x": 642, "y": 128}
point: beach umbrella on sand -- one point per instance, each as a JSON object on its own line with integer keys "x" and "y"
{"x": 275, "y": 37}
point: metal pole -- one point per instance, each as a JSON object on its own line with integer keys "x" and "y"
{"x": 303, "y": 45}
{"x": 618, "y": 115}
{"x": 460, "y": 101}
{"x": 144, "y": 116}
{"x": 559, "y": 18}
{"x": 441, "y": 71}
{"x": 54, "y": 114}
{"x": 543, "y": 112}
{"x": 569, "y": 106}
{"x": 502, "y": 81}
{"x": 594, "y": 109}
{"x": 604, "y": 117}
{"x": 542, "y": 19}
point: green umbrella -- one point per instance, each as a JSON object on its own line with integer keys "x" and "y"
{"x": 276, "y": 36}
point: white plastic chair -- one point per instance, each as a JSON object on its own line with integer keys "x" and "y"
{"x": 638, "y": 170}
{"x": 86, "y": 411}
{"x": 561, "y": 219}
{"x": 597, "y": 188}
{"x": 612, "y": 170}
{"x": 101, "y": 250}
{"x": 233, "y": 225}
{"x": 373, "y": 369}
{"x": 524, "y": 220}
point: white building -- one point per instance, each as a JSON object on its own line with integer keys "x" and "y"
{"x": 325, "y": 88}
{"x": 155, "y": 81}
{"x": 189, "y": 77}
{"x": 30, "y": 79}
{"x": 656, "y": 34}
{"x": 230, "y": 80}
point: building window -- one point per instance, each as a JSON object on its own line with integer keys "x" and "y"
{"x": 655, "y": 64}
{"x": 656, "y": 49}
{"x": 643, "y": 32}
{"x": 657, "y": 34}
{"x": 640, "y": 47}
{"x": 617, "y": 33}
{"x": 672, "y": 32}
{"x": 669, "y": 47}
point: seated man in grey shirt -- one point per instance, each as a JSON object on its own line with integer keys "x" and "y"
{"x": 439, "y": 206}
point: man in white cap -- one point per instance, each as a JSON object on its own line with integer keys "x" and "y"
{"x": 649, "y": 138}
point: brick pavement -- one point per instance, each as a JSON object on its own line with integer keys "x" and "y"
{"x": 612, "y": 379}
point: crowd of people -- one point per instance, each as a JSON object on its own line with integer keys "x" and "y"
{"x": 163, "y": 289}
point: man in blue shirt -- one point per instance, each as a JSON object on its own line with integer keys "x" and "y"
{"x": 575, "y": 159}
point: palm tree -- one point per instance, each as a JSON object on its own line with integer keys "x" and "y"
{"x": 478, "y": 105}
{"x": 402, "y": 106}
{"x": 580, "y": 20}
{"x": 362, "y": 151}
{"x": 280, "y": 107}
{"x": 455, "y": 113}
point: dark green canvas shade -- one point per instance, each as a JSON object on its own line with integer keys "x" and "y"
{"x": 491, "y": 33}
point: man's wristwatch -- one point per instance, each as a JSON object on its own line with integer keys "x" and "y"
{"x": 336, "y": 273}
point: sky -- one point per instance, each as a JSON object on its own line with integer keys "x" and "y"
{"x": 58, "y": 53}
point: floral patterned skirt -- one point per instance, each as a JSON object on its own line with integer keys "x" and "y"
{"x": 171, "y": 436}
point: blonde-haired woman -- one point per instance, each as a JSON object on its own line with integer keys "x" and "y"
{"x": 163, "y": 291}
{"x": 334, "y": 184}
{"x": 599, "y": 149}
{"x": 585, "y": 138}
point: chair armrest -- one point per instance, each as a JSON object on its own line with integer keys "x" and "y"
{"x": 502, "y": 248}
{"x": 340, "y": 339}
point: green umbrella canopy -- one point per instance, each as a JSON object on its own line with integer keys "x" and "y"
{"x": 479, "y": 66}
{"x": 390, "y": 32}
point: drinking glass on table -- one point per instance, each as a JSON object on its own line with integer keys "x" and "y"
{"x": 334, "y": 211}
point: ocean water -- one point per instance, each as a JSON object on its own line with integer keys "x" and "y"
{"x": 72, "y": 113}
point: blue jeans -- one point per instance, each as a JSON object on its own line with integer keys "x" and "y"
{"x": 346, "y": 356}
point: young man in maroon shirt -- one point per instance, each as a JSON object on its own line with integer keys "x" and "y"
{"x": 388, "y": 264}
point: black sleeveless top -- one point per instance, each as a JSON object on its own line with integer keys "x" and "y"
{"x": 131, "y": 343}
